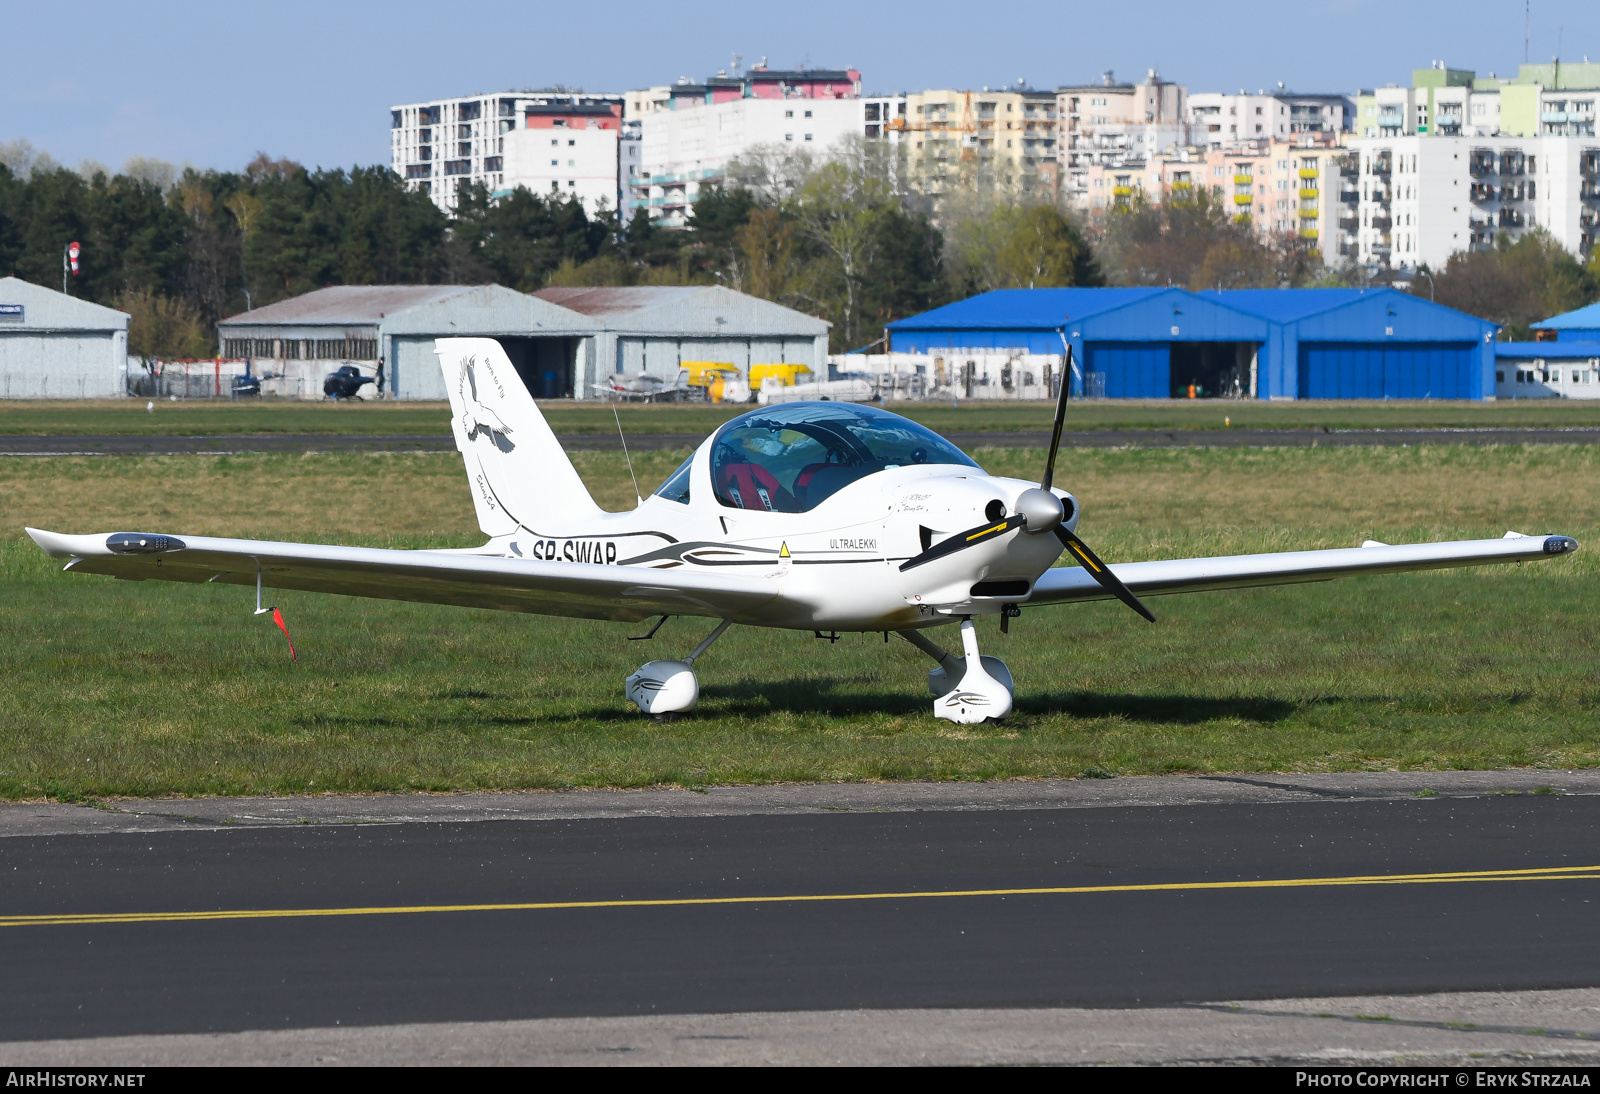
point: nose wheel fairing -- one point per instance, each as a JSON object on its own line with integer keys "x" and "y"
{"x": 980, "y": 695}
{"x": 969, "y": 689}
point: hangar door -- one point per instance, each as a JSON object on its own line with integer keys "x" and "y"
{"x": 1385, "y": 370}
{"x": 1127, "y": 370}
{"x": 663, "y": 356}
{"x": 58, "y": 366}
{"x": 414, "y": 371}
{"x": 545, "y": 365}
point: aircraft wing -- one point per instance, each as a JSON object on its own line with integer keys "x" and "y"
{"x": 429, "y": 577}
{"x": 1069, "y": 584}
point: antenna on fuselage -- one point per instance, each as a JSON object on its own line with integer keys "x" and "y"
{"x": 637, "y": 497}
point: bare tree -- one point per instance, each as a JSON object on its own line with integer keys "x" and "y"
{"x": 158, "y": 173}
{"x": 24, "y": 160}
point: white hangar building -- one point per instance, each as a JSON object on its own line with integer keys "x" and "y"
{"x": 302, "y": 339}
{"x": 563, "y": 341}
{"x": 55, "y": 346}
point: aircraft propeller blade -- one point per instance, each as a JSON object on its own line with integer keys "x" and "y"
{"x": 1048, "y": 515}
{"x": 1100, "y": 571}
{"x": 962, "y": 540}
{"x": 1061, "y": 418}
{"x": 1075, "y": 546}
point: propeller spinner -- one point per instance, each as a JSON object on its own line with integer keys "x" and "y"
{"x": 1039, "y": 511}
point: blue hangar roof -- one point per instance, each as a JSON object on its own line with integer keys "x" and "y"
{"x": 1023, "y": 309}
{"x": 1140, "y": 314}
{"x": 1036, "y": 319}
{"x": 1583, "y": 318}
{"x": 1339, "y": 315}
{"x": 1556, "y": 351}
{"x": 1286, "y": 305}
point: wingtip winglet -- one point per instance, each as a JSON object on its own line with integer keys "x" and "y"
{"x": 62, "y": 546}
{"x": 51, "y": 543}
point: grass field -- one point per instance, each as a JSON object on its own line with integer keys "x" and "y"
{"x": 203, "y": 418}
{"x": 121, "y": 688}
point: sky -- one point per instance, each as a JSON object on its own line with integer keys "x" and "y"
{"x": 212, "y": 84}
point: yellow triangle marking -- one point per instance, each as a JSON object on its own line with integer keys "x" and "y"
{"x": 783, "y": 552}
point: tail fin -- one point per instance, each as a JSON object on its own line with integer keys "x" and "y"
{"x": 520, "y": 475}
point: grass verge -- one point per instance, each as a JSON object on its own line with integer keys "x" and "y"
{"x": 115, "y": 688}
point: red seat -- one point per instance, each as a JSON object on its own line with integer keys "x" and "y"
{"x": 750, "y": 486}
{"x": 803, "y": 480}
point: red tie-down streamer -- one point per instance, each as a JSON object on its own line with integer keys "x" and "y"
{"x": 72, "y": 257}
{"x": 277, "y": 616}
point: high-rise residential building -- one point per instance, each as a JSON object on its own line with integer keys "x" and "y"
{"x": 1005, "y": 139}
{"x": 1424, "y": 198}
{"x": 573, "y": 151}
{"x": 689, "y": 133}
{"x": 441, "y": 146}
{"x": 1549, "y": 100}
{"x": 883, "y": 116}
{"x": 1218, "y": 120}
{"x": 1300, "y": 190}
{"x": 1116, "y": 124}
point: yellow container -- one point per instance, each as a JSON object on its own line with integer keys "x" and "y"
{"x": 712, "y": 375}
{"x": 788, "y": 373}
{"x": 704, "y": 373}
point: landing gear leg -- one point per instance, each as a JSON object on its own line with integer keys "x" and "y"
{"x": 670, "y": 687}
{"x": 965, "y": 695}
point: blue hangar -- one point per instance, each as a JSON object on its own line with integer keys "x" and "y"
{"x": 1255, "y": 343}
{"x": 1582, "y": 325}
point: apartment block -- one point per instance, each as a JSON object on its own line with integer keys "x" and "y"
{"x": 1423, "y": 198}
{"x": 1218, "y": 120}
{"x": 1005, "y": 138}
{"x": 689, "y": 133}
{"x": 1552, "y": 100}
{"x": 1310, "y": 196}
{"x": 1116, "y": 124}
{"x": 568, "y": 150}
{"x": 1281, "y": 189}
{"x": 883, "y": 117}
{"x": 441, "y": 146}
{"x": 682, "y": 151}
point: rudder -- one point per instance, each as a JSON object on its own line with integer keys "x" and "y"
{"x": 520, "y": 475}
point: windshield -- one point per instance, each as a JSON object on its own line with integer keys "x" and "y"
{"x": 788, "y": 459}
{"x": 676, "y": 488}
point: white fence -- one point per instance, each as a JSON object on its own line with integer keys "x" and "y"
{"x": 154, "y": 378}
{"x": 956, "y": 374}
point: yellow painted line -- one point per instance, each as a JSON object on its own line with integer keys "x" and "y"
{"x": 1084, "y": 556}
{"x": 978, "y": 535}
{"x": 1552, "y": 873}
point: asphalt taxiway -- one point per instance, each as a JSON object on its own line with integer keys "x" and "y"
{"x": 234, "y": 918}
{"x": 233, "y": 444}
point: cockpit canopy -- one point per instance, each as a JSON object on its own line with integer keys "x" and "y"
{"x": 792, "y": 457}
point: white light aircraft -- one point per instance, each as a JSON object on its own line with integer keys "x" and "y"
{"x": 822, "y": 516}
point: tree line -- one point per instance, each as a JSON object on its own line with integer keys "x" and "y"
{"x": 180, "y": 250}
{"x": 843, "y": 238}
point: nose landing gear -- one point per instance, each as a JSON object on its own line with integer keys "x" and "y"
{"x": 969, "y": 689}
{"x": 670, "y": 687}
